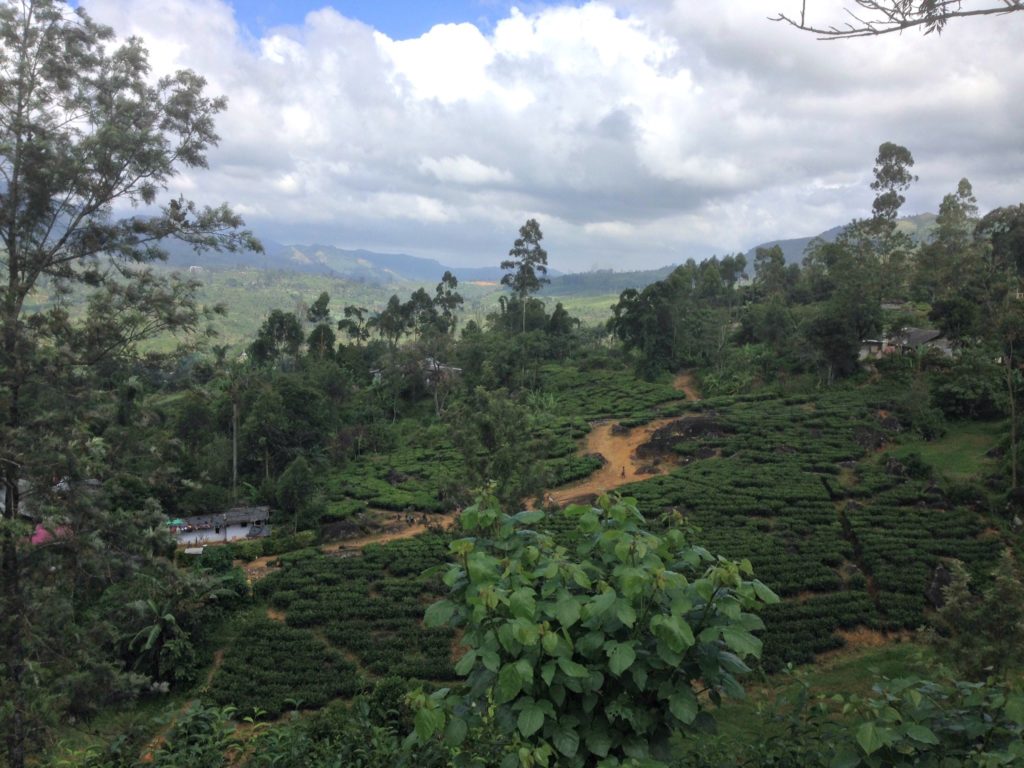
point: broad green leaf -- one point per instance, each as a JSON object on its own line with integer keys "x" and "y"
{"x": 428, "y": 721}
{"x": 550, "y": 643}
{"x": 525, "y": 632}
{"x": 481, "y": 567}
{"x": 491, "y": 659}
{"x": 547, "y": 672}
{"x": 705, "y": 588}
{"x": 869, "y": 737}
{"x": 764, "y": 593}
{"x": 732, "y": 663}
{"x": 509, "y": 683}
{"x": 566, "y": 740}
{"x": 572, "y": 669}
{"x": 639, "y": 674}
{"x": 522, "y": 604}
{"x": 455, "y": 732}
{"x": 589, "y": 522}
{"x": 567, "y": 611}
{"x": 621, "y": 657}
{"x": 596, "y": 606}
{"x": 1015, "y": 707}
{"x": 580, "y": 577}
{"x": 682, "y": 604}
{"x": 633, "y": 581}
{"x": 732, "y": 687}
{"x": 507, "y": 638}
{"x": 741, "y": 641}
{"x": 591, "y": 642}
{"x": 625, "y": 613}
{"x": 528, "y": 517}
{"x": 525, "y": 669}
{"x": 531, "y": 719}
{"x": 922, "y": 734}
{"x": 751, "y": 622}
{"x": 624, "y": 550}
{"x": 465, "y": 664}
{"x": 599, "y": 741}
{"x": 437, "y": 615}
{"x": 673, "y": 631}
{"x": 683, "y": 705}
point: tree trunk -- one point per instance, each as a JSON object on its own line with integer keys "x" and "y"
{"x": 1011, "y": 396}
{"x": 10, "y": 567}
{"x": 234, "y": 451}
{"x": 14, "y": 648}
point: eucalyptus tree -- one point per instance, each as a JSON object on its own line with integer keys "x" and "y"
{"x": 320, "y": 341}
{"x": 529, "y": 264}
{"x": 85, "y": 134}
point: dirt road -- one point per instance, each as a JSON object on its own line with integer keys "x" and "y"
{"x": 393, "y": 526}
{"x": 618, "y": 446}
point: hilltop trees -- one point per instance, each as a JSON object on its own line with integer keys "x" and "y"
{"x": 83, "y": 129}
{"x": 681, "y": 320}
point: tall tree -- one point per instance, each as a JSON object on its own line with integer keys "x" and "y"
{"x": 83, "y": 129}
{"x": 892, "y": 177}
{"x": 527, "y": 258}
{"x": 447, "y": 301}
{"x": 392, "y": 322}
{"x": 770, "y": 270}
{"x": 1001, "y": 232}
{"x": 354, "y": 323}
{"x": 945, "y": 266}
{"x": 280, "y": 334}
{"x": 320, "y": 341}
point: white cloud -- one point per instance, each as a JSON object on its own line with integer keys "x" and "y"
{"x": 463, "y": 170}
{"x": 637, "y": 131}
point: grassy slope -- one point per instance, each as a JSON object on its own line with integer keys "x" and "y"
{"x": 961, "y": 453}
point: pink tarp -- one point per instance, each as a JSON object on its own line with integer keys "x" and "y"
{"x": 42, "y": 536}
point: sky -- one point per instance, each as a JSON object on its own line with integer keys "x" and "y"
{"x": 638, "y": 133}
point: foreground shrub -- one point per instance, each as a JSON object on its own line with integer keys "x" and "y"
{"x": 605, "y": 650}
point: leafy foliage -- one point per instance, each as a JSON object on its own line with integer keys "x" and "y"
{"x": 595, "y": 652}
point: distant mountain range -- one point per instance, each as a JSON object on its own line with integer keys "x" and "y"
{"x": 359, "y": 265}
{"x": 384, "y": 269}
{"x": 919, "y": 227}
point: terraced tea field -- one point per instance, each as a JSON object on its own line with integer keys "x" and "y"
{"x": 799, "y": 485}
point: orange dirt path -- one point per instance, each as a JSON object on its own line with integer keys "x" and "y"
{"x": 620, "y": 452}
{"x": 684, "y": 383}
{"x": 394, "y": 528}
{"x": 399, "y": 530}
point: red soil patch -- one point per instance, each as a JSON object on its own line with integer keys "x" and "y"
{"x": 859, "y": 638}
{"x": 684, "y": 383}
{"x": 622, "y": 465}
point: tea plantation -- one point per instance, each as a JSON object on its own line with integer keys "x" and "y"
{"x": 799, "y": 485}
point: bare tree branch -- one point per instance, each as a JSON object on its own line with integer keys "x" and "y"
{"x": 870, "y": 18}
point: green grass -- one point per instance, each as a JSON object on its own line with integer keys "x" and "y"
{"x": 960, "y": 454}
{"x": 850, "y": 671}
{"x": 591, "y": 310}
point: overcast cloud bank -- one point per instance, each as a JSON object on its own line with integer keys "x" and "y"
{"x": 638, "y": 133}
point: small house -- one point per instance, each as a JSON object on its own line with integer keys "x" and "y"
{"x": 910, "y": 340}
{"x": 871, "y": 349}
{"x": 231, "y": 525}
